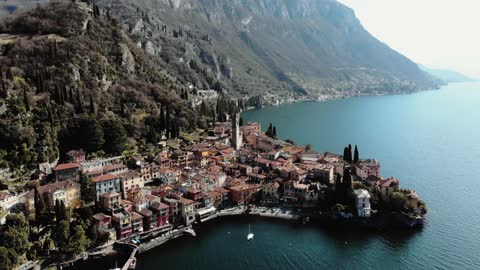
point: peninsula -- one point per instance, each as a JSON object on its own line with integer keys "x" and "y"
{"x": 90, "y": 207}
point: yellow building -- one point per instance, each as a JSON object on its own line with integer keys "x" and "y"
{"x": 67, "y": 191}
{"x": 129, "y": 181}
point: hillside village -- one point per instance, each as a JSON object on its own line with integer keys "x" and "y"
{"x": 230, "y": 167}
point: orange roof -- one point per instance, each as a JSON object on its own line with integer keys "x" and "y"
{"x": 66, "y": 166}
{"x": 242, "y": 187}
{"x": 105, "y": 177}
{"x": 185, "y": 201}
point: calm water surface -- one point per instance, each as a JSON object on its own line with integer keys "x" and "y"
{"x": 429, "y": 140}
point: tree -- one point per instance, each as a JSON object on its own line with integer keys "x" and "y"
{"x": 167, "y": 122}
{"x": 64, "y": 212}
{"x": 269, "y": 132}
{"x": 308, "y": 147}
{"x": 115, "y": 137}
{"x": 16, "y": 221}
{"x": 92, "y": 105}
{"x": 61, "y": 234}
{"x": 79, "y": 105}
{"x": 162, "y": 119}
{"x": 15, "y": 235}
{"x": 87, "y": 189}
{"x": 40, "y": 207}
{"x": 92, "y": 134}
{"x": 274, "y": 132}
{"x": 57, "y": 210}
{"x": 350, "y": 153}
{"x": 240, "y": 122}
{"x": 356, "y": 155}
{"x": 345, "y": 154}
{"x": 8, "y": 259}
{"x": 77, "y": 242}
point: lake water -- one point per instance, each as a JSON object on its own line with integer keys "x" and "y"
{"x": 429, "y": 140}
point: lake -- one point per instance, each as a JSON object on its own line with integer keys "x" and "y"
{"x": 429, "y": 140}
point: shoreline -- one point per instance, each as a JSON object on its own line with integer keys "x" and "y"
{"x": 285, "y": 101}
{"x": 273, "y": 213}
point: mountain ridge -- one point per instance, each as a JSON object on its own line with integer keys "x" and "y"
{"x": 446, "y": 75}
{"x": 318, "y": 47}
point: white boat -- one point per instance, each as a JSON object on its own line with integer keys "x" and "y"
{"x": 250, "y": 234}
{"x": 116, "y": 267}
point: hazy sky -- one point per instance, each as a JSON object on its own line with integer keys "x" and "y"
{"x": 436, "y": 33}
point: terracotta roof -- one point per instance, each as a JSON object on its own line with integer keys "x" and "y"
{"x": 54, "y": 187}
{"x": 242, "y": 187}
{"x": 136, "y": 216}
{"x": 185, "y": 201}
{"x": 221, "y": 190}
{"x": 102, "y": 217}
{"x": 66, "y": 166}
{"x": 105, "y": 177}
{"x": 113, "y": 167}
{"x": 130, "y": 174}
{"x": 145, "y": 213}
{"x": 110, "y": 194}
{"x": 390, "y": 182}
{"x": 159, "y": 206}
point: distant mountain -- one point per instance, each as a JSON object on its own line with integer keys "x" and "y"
{"x": 448, "y": 76}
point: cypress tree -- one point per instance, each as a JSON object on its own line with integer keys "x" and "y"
{"x": 274, "y": 133}
{"x": 356, "y": 155}
{"x": 161, "y": 120}
{"x": 92, "y": 105}
{"x": 39, "y": 205}
{"x": 345, "y": 154}
{"x": 168, "y": 122}
{"x": 79, "y": 103}
{"x": 241, "y": 121}
{"x": 270, "y": 130}
{"x": 63, "y": 212}
{"x": 71, "y": 100}
{"x": 57, "y": 210}
{"x": 350, "y": 158}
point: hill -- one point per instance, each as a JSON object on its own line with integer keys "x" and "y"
{"x": 448, "y": 76}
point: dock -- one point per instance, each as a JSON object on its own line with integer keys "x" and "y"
{"x": 130, "y": 260}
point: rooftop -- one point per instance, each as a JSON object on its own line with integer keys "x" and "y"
{"x": 105, "y": 177}
{"x": 66, "y": 166}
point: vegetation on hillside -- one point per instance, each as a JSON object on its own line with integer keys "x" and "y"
{"x": 71, "y": 78}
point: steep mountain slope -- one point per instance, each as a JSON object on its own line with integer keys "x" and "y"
{"x": 71, "y": 78}
{"x": 8, "y": 7}
{"x": 257, "y": 47}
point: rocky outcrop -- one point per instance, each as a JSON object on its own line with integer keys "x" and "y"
{"x": 128, "y": 60}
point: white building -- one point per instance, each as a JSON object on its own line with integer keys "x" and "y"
{"x": 106, "y": 183}
{"x": 362, "y": 202}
